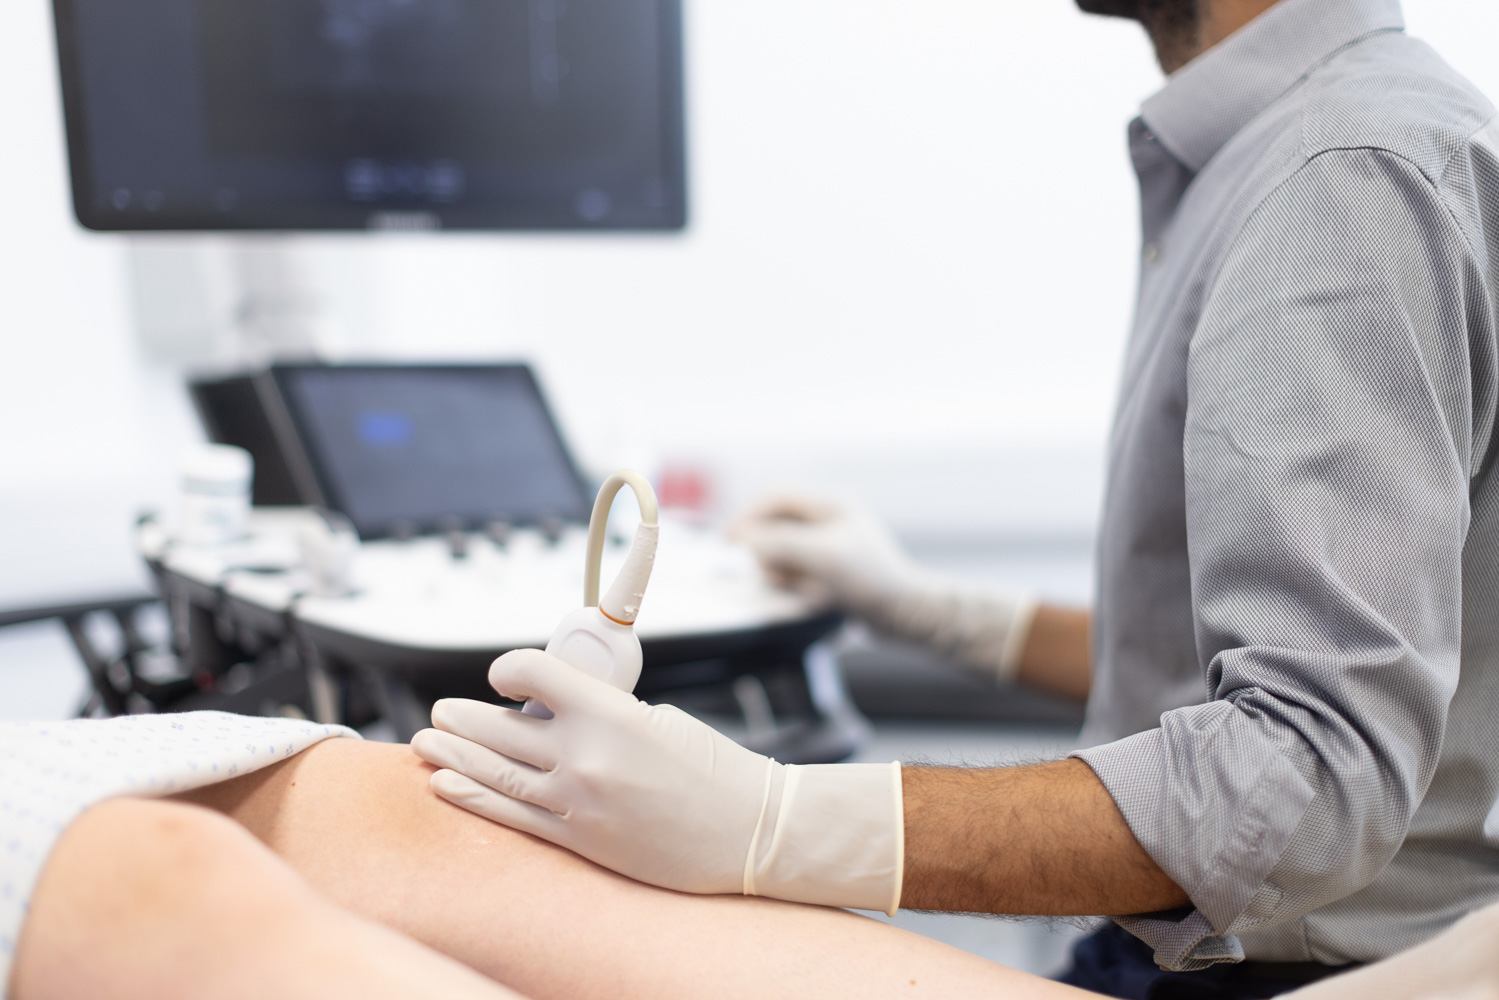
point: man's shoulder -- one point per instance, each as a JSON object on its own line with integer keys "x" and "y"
{"x": 1394, "y": 94}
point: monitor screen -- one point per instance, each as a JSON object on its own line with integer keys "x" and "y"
{"x": 424, "y": 446}
{"x": 407, "y": 114}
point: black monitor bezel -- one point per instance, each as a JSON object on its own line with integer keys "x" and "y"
{"x": 275, "y": 482}
{"x": 343, "y": 218}
{"x": 329, "y": 495}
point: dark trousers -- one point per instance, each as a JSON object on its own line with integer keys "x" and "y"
{"x": 1114, "y": 962}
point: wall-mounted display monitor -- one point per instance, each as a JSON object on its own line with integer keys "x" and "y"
{"x": 353, "y": 114}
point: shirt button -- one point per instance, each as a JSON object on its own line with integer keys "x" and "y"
{"x": 1152, "y": 253}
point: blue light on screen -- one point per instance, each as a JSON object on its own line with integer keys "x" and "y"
{"x": 383, "y": 429}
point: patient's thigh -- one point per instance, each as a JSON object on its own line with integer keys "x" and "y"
{"x": 360, "y": 822}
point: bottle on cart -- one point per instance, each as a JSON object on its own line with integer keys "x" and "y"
{"x": 215, "y": 502}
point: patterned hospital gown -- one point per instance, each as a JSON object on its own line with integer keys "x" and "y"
{"x": 50, "y": 772}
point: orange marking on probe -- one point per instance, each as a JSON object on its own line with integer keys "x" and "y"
{"x": 614, "y": 619}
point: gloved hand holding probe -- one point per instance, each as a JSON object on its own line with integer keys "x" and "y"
{"x": 647, "y": 790}
{"x": 653, "y": 793}
{"x": 843, "y": 554}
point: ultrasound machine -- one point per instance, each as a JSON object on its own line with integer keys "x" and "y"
{"x": 470, "y": 515}
{"x": 413, "y": 115}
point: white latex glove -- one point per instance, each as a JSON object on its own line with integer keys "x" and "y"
{"x": 652, "y": 793}
{"x": 842, "y": 553}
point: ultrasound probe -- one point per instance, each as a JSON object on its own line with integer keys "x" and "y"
{"x": 599, "y": 638}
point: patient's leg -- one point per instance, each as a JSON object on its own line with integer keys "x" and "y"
{"x": 155, "y": 900}
{"x": 359, "y": 821}
{"x": 1461, "y": 963}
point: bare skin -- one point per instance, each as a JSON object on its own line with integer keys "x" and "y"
{"x": 149, "y": 900}
{"x": 1046, "y": 839}
{"x": 1459, "y": 964}
{"x": 1058, "y": 656}
{"x": 160, "y": 900}
{"x": 359, "y": 823}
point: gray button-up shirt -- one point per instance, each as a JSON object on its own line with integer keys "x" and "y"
{"x": 1296, "y": 694}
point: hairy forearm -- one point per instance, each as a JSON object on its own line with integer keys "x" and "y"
{"x": 1045, "y": 839}
{"x": 1057, "y": 656}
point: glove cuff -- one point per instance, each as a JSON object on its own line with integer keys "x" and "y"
{"x": 834, "y": 836}
{"x": 1024, "y": 612}
{"x": 981, "y": 628}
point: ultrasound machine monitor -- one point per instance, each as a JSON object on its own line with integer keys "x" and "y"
{"x": 392, "y": 114}
{"x": 425, "y": 447}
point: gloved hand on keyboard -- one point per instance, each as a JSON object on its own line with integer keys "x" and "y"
{"x": 843, "y": 554}
{"x": 652, "y": 793}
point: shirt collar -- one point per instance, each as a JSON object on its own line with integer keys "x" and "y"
{"x": 1215, "y": 95}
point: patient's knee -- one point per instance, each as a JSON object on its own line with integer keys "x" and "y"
{"x": 186, "y": 858}
{"x": 134, "y": 887}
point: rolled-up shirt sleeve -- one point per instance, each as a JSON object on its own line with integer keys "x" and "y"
{"x": 1329, "y": 440}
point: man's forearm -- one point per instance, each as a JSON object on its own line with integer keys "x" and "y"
{"x": 1045, "y": 839}
{"x": 1057, "y": 655}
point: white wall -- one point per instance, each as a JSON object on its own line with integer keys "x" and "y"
{"x": 73, "y": 446}
{"x": 910, "y": 262}
{"x": 911, "y": 240}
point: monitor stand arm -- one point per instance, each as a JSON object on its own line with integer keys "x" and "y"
{"x": 242, "y": 300}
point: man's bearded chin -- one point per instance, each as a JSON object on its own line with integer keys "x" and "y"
{"x": 1148, "y": 12}
{"x": 1173, "y": 24}
{"x": 1112, "y": 8}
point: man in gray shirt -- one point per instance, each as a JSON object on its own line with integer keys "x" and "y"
{"x": 1292, "y": 761}
{"x": 1295, "y": 668}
